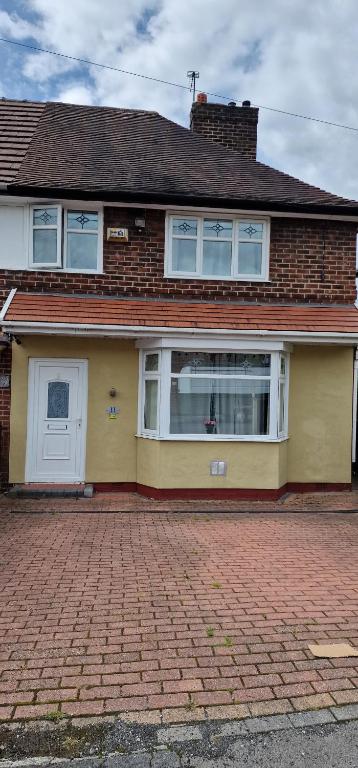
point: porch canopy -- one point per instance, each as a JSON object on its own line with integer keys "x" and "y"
{"x": 89, "y": 315}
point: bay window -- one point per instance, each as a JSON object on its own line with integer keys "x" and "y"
{"x": 214, "y": 395}
{"x": 207, "y": 247}
{"x": 65, "y": 239}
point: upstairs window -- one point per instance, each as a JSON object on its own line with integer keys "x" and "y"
{"x": 211, "y": 248}
{"x": 65, "y": 239}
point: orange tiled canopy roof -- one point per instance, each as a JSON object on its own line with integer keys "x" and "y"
{"x": 80, "y": 311}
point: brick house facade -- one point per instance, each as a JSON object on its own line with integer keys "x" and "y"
{"x": 312, "y": 255}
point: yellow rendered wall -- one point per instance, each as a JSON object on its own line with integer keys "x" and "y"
{"x": 111, "y": 443}
{"x": 320, "y": 423}
{"x": 320, "y": 415}
{"x": 185, "y": 464}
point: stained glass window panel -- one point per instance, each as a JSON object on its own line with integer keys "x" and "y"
{"x": 82, "y": 220}
{"x": 217, "y": 228}
{"x": 185, "y": 227}
{"x": 58, "y": 399}
{"x": 250, "y": 230}
{"x": 45, "y": 217}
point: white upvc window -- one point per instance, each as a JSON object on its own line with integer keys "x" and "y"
{"x": 151, "y": 392}
{"x": 206, "y": 395}
{"x": 65, "y": 239}
{"x": 45, "y": 238}
{"x": 222, "y": 247}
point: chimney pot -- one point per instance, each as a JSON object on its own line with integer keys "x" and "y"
{"x": 202, "y": 98}
{"x": 232, "y": 104}
{"x": 246, "y": 103}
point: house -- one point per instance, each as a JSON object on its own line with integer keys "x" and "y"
{"x": 178, "y": 318}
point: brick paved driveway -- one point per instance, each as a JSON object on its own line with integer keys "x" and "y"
{"x": 175, "y": 616}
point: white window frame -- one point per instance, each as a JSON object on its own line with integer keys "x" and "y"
{"x": 58, "y": 228}
{"x": 165, "y": 374}
{"x": 236, "y": 239}
{"x": 149, "y": 376}
{"x": 98, "y": 232}
{"x": 61, "y": 263}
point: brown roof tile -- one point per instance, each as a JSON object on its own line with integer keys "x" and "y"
{"x": 90, "y": 310}
{"x": 133, "y": 154}
{"x": 18, "y": 123}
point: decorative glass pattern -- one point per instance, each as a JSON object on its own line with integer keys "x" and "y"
{"x": 185, "y": 227}
{"x": 45, "y": 217}
{"x": 216, "y": 228}
{"x": 82, "y": 220}
{"x": 221, "y": 363}
{"x": 252, "y": 230}
{"x": 58, "y": 399}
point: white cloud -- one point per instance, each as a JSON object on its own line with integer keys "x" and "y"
{"x": 296, "y": 55}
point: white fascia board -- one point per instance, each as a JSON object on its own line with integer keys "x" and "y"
{"x": 7, "y": 303}
{"x": 126, "y": 331}
{"x": 21, "y": 199}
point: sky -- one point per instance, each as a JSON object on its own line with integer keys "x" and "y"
{"x": 295, "y": 55}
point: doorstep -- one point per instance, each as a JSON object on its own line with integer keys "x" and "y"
{"x": 51, "y": 490}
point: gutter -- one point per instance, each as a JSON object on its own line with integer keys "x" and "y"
{"x": 19, "y": 328}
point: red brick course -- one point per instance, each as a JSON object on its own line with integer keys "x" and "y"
{"x": 114, "y": 573}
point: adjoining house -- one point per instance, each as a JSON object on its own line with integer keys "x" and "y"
{"x": 178, "y": 318}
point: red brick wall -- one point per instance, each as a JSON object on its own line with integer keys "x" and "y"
{"x": 233, "y": 127}
{"x": 310, "y": 261}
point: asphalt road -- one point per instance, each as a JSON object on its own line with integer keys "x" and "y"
{"x": 328, "y": 746}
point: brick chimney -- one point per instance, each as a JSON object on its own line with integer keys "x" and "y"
{"x": 232, "y": 126}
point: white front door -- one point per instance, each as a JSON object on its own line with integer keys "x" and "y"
{"x": 57, "y": 410}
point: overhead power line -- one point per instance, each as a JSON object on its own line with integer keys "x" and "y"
{"x": 174, "y": 85}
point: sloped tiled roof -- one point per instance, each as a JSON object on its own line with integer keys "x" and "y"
{"x": 90, "y": 310}
{"x": 18, "y": 123}
{"x": 138, "y": 155}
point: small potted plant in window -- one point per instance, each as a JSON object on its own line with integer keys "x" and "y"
{"x": 210, "y": 426}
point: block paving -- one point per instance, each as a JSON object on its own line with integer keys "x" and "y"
{"x": 164, "y": 616}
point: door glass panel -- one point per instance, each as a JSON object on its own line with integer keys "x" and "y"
{"x": 57, "y": 399}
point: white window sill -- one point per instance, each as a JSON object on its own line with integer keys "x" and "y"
{"x": 215, "y": 438}
{"x": 215, "y": 278}
{"x": 59, "y": 270}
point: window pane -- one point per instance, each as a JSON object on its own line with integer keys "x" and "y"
{"x": 282, "y": 366}
{"x": 150, "y": 404}
{"x": 184, "y": 255}
{"x": 185, "y": 227}
{"x": 44, "y": 246}
{"x": 281, "y": 420}
{"x": 82, "y": 220}
{"x": 250, "y": 258}
{"x": 251, "y": 230}
{"x": 219, "y": 406}
{"x": 216, "y": 228}
{"x": 224, "y": 363}
{"x": 216, "y": 257}
{"x": 45, "y": 217}
{"x": 151, "y": 362}
{"x": 57, "y": 400}
{"x": 81, "y": 250}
